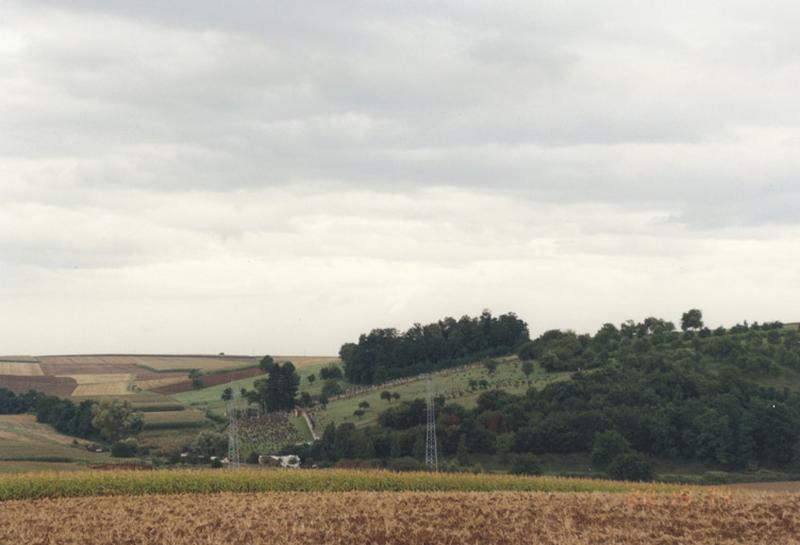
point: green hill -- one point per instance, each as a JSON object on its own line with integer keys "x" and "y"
{"x": 637, "y": 400}
{"x": 675, "y": 401}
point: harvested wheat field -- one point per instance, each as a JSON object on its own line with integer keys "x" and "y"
{"x": 203, "y": 363}
{"x": 20, "y": 369}
{"x": 102, "y": 384}
{"x": 406, "y": 518}
{"x": 157, "y": 383}
{"x": 69, "y": 364}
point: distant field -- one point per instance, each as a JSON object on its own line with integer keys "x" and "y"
{"x": 148, "y": 382}
{"x": 22, "y": 439}
{"x": 208, "y": 380}
{"x": 187, "y": 363}
{"x": 102, "y": 384}
{"x": 306, "y": 361}
{"x": 144, "y": 364}
{"x": 145, "y": 367}
{"x": 49, "y": 385}
{"x": 23, "y": 359}
{"x": 175, "y": 419}
{"x": 20, "y": 369}
{"x": 144, "y": 401}
{"x": 82, "y": 376}
{"x": 156, "y": 383}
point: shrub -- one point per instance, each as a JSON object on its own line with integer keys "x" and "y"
{"x": 331, "y": 388}
{"x": 209, "y": 443}
{"x": 332, "y": 371}
{"x": 607, "y": 446}
{"x": 405, "y": 464}
{"x": 630, "y": 466}
{"x": 526, "y": 464}
{"x": 252, "y": 458}
{"x": 124, "y": 449}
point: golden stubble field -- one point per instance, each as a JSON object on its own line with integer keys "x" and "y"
{"x": 20, "y": 369}
{"x": 456, "y": 518}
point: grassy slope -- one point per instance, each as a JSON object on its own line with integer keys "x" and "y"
{"x": 453, "y": 384}
{"x": 211, "y": 398}
{"x": 23, "y": 440}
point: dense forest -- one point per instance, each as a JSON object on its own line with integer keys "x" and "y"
{"x": 385, "y": 354}
{"x": 642, "y": 390}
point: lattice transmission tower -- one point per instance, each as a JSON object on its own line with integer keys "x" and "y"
{"x": 431, "y": 454}
{"x": 233, "y": 433}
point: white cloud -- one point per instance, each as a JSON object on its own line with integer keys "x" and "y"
{"x": 255, "y": 175}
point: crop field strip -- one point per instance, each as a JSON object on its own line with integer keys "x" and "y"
{"x": 208, "y": 380}
{"x": 49, "y": 385}
{"x": 140, "y": 372}
{"x": 106, "y": 384}
{"x": 407, "y": 518}
{"x": 110, "y": 483}
{"x": 20, "y": 359}
{"x": 157, "y": 383}
{"x": 21, "y": 369}
{"x": 174, "y": 419}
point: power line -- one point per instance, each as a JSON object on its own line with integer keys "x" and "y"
{"x": 431, "y": 454}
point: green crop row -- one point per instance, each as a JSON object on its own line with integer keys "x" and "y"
{"x": 126, "y": 482}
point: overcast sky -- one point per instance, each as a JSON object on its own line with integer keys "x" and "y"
{"x": 278, "y": 177}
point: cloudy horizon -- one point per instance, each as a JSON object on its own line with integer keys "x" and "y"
{"x": 262, "y": 177}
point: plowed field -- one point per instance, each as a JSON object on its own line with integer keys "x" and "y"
{"x": 185, "y": 385}
{"x": 56, "y": 386}
{"x": 406, "y": 518}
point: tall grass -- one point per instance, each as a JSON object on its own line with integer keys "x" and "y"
{"x": 135, "y": 483}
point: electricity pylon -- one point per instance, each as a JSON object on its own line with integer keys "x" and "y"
{"x": 233, "y": 433}
{"x": 431, "y": 455}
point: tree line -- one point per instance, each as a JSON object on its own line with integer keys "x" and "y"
{"x": 109, "y": 420}
{"x": 387, "y": 354}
